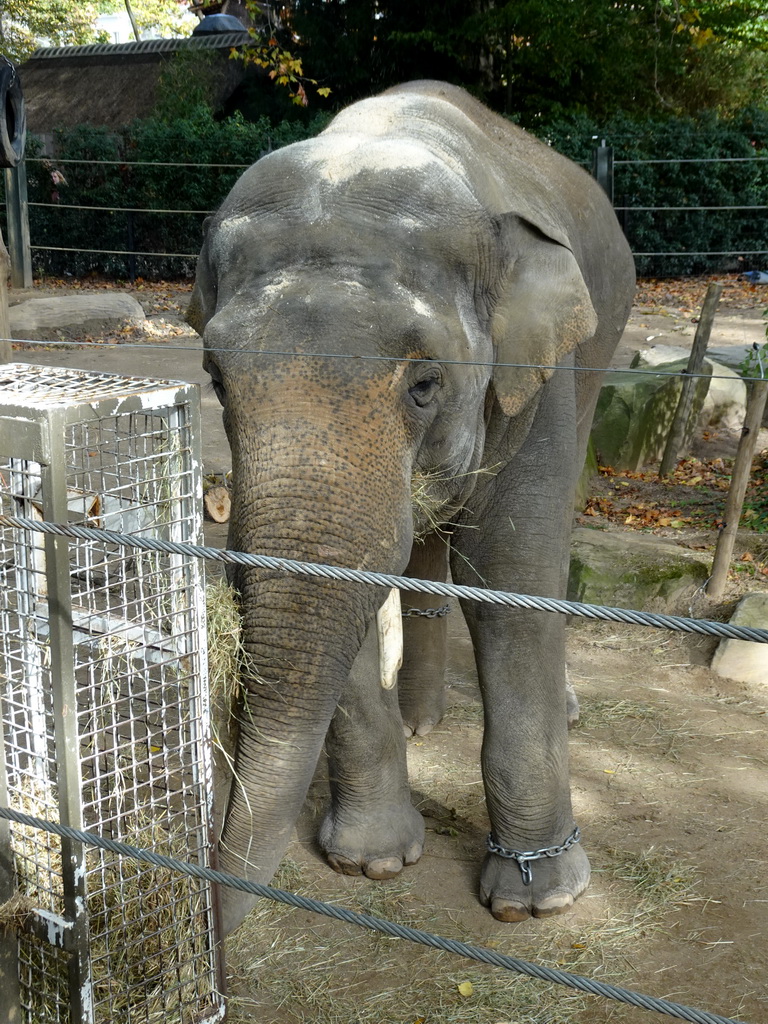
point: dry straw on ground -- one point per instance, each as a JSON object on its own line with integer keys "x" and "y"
{"x": 290, "y": 970}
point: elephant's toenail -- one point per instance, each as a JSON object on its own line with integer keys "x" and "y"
{"x": 413, "y": 855}
{"x": 383, "y": 869}
{"x": 505, "y": 910}
{"x": 344, "y": 866}
{"x": 553, "y": 905}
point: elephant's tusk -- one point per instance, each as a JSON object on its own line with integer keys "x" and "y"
{"x": 389, "y": 625}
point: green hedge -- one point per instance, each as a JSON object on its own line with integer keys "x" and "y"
{"x": 200, "y": 139}
{"x": 682, "y": 184}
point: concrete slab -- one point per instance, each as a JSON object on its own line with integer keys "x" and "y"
{"x": 734, "y": 331}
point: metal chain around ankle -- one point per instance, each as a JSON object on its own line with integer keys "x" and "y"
{"x": 523, "y": 859}
{"x": 427, "y": 613}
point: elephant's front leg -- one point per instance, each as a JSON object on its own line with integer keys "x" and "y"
{"x": 525, "y": 764}
{"x": 372, "y": 827}
{"x": 523, "y": 545}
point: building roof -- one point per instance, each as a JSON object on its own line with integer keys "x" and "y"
{"x": 112, "y": 84}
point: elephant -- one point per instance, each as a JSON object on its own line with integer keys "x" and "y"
{"x": 402, "y": 319}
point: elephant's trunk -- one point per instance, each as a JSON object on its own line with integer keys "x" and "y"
{"x": 301, "y": 635}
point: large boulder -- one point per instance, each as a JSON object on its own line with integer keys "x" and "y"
{"x": 39, "y": 319}
{"x": 634, "y": 570}
{"x": 733, "y": 356}
{"x": 745, "y": 660}
{"x": 635, "y": 412}
{"x": 726, "y": 401}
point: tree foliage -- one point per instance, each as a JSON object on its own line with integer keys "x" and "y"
{"x": 27, "y": 24}
{"x": 271, "y": 36}
{"x": 138, "y": 170}
{"x": 165, "y": 18}
{"x": 23, "y": 23}
{"x": 538, "y": 57}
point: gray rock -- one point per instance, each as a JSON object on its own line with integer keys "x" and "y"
{"x": 635, "y": 411}
{"x": 634, "y": 570}
{"x": 726, "y": 401}
{"x": 730, "y": 355}
{"x": 39, "y": 318}
{"x": 745, "y": 660}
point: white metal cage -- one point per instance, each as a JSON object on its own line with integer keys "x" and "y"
{"x": 105, "y": 719}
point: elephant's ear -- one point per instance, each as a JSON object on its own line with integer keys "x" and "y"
{"x": 540, "y": 310}
{"x": 202, "y": 304}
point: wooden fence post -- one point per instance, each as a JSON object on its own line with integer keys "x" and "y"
{"x": 742, "y": 467}
{"x": 695, "y": 362}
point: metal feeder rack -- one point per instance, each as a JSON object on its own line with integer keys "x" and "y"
{"x": 105, "y": 717}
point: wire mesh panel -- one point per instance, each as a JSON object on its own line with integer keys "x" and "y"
{"x": 105, "y": 716}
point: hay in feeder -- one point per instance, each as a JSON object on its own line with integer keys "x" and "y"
{"x": 150, "y": 934}
{"x": 15, "y": 912}
{"x": 150, "y": 931}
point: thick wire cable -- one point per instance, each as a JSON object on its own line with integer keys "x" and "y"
{"x": 529, "y": 602}
{"x": 376, "y": 924}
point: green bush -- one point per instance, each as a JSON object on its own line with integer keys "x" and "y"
{"x": 184, "y": 170}
{"x": 681, "y": 183}
{"x": 187, "y": 166}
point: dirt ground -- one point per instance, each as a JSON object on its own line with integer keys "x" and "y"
{"x": 670, "y": 790}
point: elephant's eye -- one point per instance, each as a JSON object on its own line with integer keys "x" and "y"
{"x": 217, "y": 385}
{"x": 218, "y": 389}
{"x": 425, "y": 390}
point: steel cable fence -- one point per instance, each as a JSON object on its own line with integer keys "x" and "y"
{"x": 377, "y": 924}
{"x": 647, "y": 371}
{"x": 127, "y": 225}
{"x": 320, "y": 571}
{"x": 529, "y": 602}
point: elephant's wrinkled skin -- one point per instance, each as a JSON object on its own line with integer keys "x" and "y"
{"x": 418, "y": 226}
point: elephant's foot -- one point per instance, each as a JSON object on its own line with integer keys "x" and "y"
{"x": 556, "y": 883}
{"x": 422, "y": 710}
{"x": 378, "y": 845}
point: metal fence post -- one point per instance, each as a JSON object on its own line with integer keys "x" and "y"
{"x": 18, "y": 225}
{"x": 602, "y": 167}
{"x": 130, "y": 246}
{"x": 67, "y": 746}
